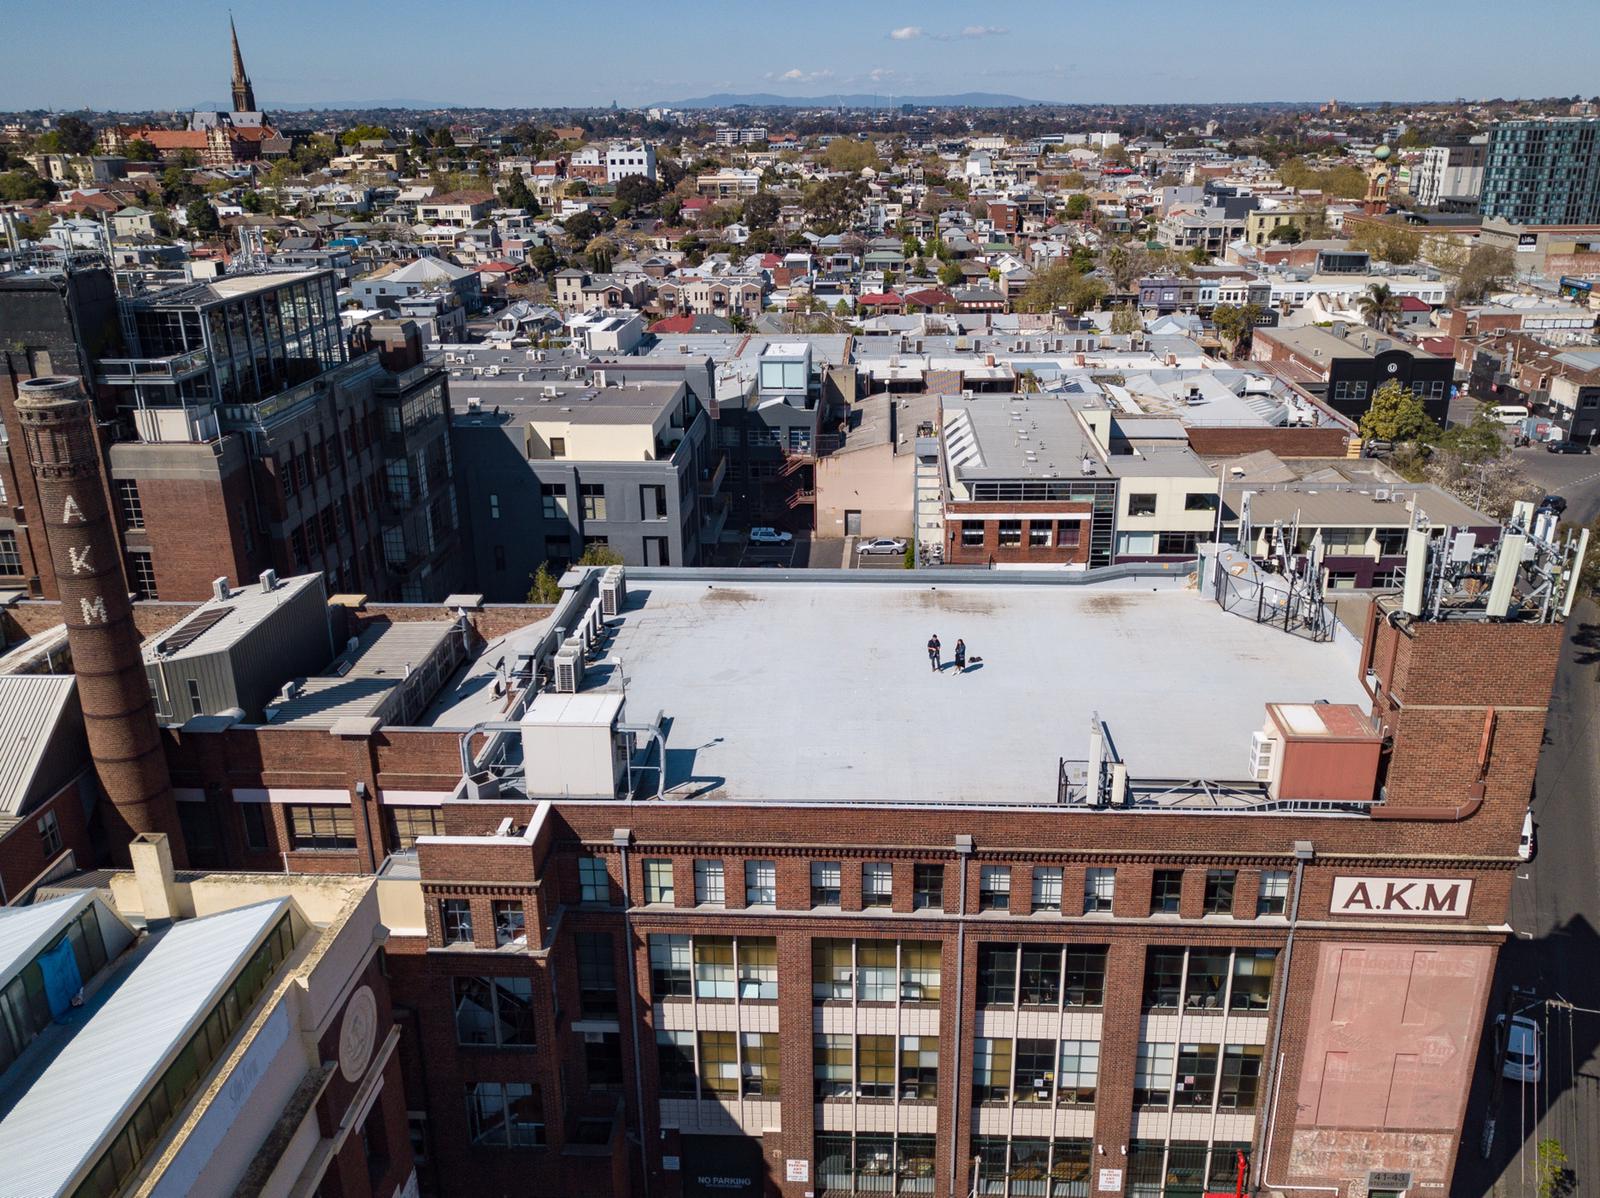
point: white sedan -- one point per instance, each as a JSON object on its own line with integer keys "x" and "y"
{"x": 882, "y": 545}
{"x": 770, "y": 536}
{"x": 1522, "y": 1062}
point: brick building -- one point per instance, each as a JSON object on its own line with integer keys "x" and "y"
{"x": 677, "y": 922}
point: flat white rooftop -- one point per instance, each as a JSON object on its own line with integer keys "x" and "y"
{"x": 802, "y": 691}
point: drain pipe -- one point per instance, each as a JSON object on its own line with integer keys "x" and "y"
{"x": 963, "y": 855}
{"x": 467, "y": 763}
{"x": 1304, "y": 851}
{"x": 621, "y": 838}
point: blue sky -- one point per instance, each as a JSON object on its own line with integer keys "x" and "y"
{"x": 174, "y": 53}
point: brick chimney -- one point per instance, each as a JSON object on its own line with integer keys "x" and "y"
{"x": 118, "y": 711}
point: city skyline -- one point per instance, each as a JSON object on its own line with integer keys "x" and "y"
{"x": 1427, "y": 50}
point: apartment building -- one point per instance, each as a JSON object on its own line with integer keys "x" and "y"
{"x": 1450, "y": 176}
{"x": 1543, "y": 172}
{"x": 645, "y": 944}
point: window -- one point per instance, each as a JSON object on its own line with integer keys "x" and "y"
{"x": 991, "y": 1069}
{"x": 597, "y": 974}
{"x": 1252, "y": 978}
{"x": 556, "y": 549}
{"x": 10, "y": 558}
{"x": 1067, "y": 533}
{"x": 675, "y": 1064}
{"x": 1197, "y": 1075}
{"x": 593, "y": 496}
{"x": 553, "y": 497}
{"x": 1179, "y": 544}
{"x": 505, "y": 1114}
{"x": 877, "y": 977}
{"x": 994, "y": 888}
{"x": 510, "y": 923}
{"x": 1086, "y": 975}
{"x": 875, "y": 1066}
{"x": 1219, "y": 891}
{"x": 652, "y": 501}
{"x": 760, "y": 883}
{"x": 321, "y": 829}
{"x": 927, "y": 887}
{"x": 1207, "y": 975}
{"x": 494, "y": 507}
{"x": 142, "y": 567}
{"x": 919, "y": 1068}
{"x": 1046, "y": 888}
{"x": 1166, "y": 891}
{"x": 494, "y": 1011}
{"x": 825, "y": 882}
{"x": 877, "y": 884}
{"x": 49, "y": 834}
{"x": 919, "y": 971}
{"x": 997, "y": 975}
{"x": 972, "y": 534}
{"x": 128, "y": 503}
{"x": 1273, "y": 896}
{"x": 658, "y": 880}
{"x": 1152, "y": 1075}
{"x": 455, "y": 921}
{"x": 1163, "y": 977}
{"x": 708, "y": 881}
{"x": 255, "y": 826}
{"x": 758, "y": 967}
{"x": 713, "y": 967}
{"x": 1199, "y": 501}
{"x": 593, "y": 884}
{"x": 1040, "y": 975}
{"x": 1039, "y": 534}
{"x": 1008, "y": 534}
{"x": 760, "y": 1065}
{"x": 1241, "y": 1077}
{"x": 832, "y": 969}
{"x": 1099, "y": 885}
{"x": 196, "y": 706}
{"x": 499, "y": 556}
{"x": 558, "y": 447}
{"x": 408, "y": 823}
{"x": 1141, "y": 504}
{"x": 832, "y": 1070}
{"x": 669, "y": 966}
{"x": 1036, "y": 1070}
{"x": 1080, "y": 1071}
{"x": 719, "y": 1063}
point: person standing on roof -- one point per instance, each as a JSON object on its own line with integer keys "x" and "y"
{"x": 934, "y": 659}
{"x": 961, "y": 656}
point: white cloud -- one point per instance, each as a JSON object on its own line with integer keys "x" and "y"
{"x": 796, "y": 75}
{"x": 879, "y": 74}
{"x": 906, "y": 33}
{"x": 985, "y": 31}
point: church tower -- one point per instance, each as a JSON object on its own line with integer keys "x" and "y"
{"x": 244, "y": 96}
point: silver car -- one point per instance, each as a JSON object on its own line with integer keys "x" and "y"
{"x": 882, "y": 545}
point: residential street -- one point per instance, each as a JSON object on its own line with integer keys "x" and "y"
{"x": 1556, "y": 910}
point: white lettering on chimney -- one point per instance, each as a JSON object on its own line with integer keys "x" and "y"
{"x": 71, "y": 509}
{"x": 80, "y": 558}
{"x": 1429, "y": 897}
{"x": 94, "y": 611}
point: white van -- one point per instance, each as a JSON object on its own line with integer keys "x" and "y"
{"x": 1508, "y": 414}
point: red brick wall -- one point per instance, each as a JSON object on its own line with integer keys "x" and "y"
{"x": 1285, "y": 442}
{"x": 956, "y": 515}
{"x": 193, "y": 529}
{"x": 22, "y": 855}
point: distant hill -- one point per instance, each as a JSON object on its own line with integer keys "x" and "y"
{"x": 856, "y": 100}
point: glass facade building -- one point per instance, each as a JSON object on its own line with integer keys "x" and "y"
{"x": 1544, "y": 172}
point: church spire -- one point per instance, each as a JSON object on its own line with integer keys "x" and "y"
{"x": 244, "y": 96}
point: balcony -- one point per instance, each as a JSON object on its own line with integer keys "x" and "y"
{"x": 173, "y": 368}
{"x": 800, "y": 499}
{"x": 712, "y": 485}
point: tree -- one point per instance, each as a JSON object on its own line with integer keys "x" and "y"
{"x": 1387, "y": 240}
{"x": 545, "y": 590}
{"x": 1077, "y": 206}
{"x": 637, "y": 192}
{"x": 140, "y": 150}
{"x": 515, "y": 194}
{"x": 1124, "y": 320}
{"x": 1060, "y": 286}
{"x": 851, "y": 156}
{"x": 834, "y": 201}
{"x": 1125, "y": 264}
{"x": 1198, "y": 256}
{"x": 1477, "y": 442}
{"x": 1396, "y": 414}
{"x": 25, "y": 185}
{"x": 76, "y": 135}
{"x": 1378, "y": 306}
{"x": 1486, "y": 269}
{"x": 1287, "y": 234}
{"x": 761, "y": 211}
{"x": 1234, "y": 323}
{"x": 950, "y": 274}
{"x": 600, "y": 252}
{"x": 202, "y": 218}
{"x": 600, "y": 555}
{"x": 582, "y": 226}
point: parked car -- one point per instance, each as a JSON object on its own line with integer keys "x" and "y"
{"x": 1522, "y": 1063}
{"x": 1553, "y": 503}
{"x": 882, "y": 545}
{"x": 769, "y": 536}
{"x": 1567, "y": 447}
{"x": 1525, "y": 845}
{"x": 1376, "y": 446}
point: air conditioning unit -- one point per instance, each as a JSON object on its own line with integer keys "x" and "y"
{"x": 569, "y": 667}
{"x": 1263, "y": 756}
{"x": 594, "y": 620}
{"x": 613, "y": 592}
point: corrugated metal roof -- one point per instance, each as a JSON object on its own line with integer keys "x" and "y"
{"x": 30, "y": 708}
{"x": 24, "y": 929}
{"x": 62, "y": 1122}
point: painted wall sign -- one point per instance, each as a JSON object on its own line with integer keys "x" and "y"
{"x": 1436, "y": 898}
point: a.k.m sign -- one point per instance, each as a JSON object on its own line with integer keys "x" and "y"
{"x": 1428, "y": 897}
